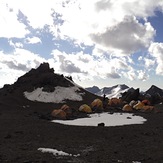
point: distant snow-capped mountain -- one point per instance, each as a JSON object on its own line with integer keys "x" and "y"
{"x": 110, "y": 92}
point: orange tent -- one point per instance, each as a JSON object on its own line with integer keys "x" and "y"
{"x": 97, "y": 104}
{"x": 146, "y": 102}
{"x": 58, "y": 113}
{"x": 148, "y": 108}
{"x": 66, "y": 109}
{"x": 115, "y": 102}
{"x": 127, "y": 107}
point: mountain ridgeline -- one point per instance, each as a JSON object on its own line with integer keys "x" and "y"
{"x": 44, "y": 77}
{"x": 154, "y": 94}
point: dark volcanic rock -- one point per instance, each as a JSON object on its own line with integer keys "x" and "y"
{"x": 42, "y": 77}
{"x": 154, "y": 95}
{"x": 130, "y": 95}
{"x": 26, "y": 126}
{"x": 101, "y": 124}
{"x": 153, "y": 90}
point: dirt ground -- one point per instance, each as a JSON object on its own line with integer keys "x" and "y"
{"x": 25, "y": 126}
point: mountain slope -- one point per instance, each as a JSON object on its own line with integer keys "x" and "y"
{"x": 154, "y": 90}
{"x": 42, "y": 84}
{"x": 93, "y": 89}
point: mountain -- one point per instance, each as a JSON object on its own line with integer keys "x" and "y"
{"x": 154, "y": 94}
{"x": 114, "y": 91}
{"x": 43, "y": 85}
{"x": 154, "y": 90}
{"x": 93, "y": 89}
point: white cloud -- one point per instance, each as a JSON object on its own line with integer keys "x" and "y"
{"x": 156, "y": 50}
{"x": 142, "y": 75}
{"x": 16, "y": 45}
{"x": 131, "y": 75}
{"x": 149, "y": 62}
{"x": 38, "y": 13}
{"x": 126, "y": 37}
{"x": 112, "y": 27}
{"x": 90, "y": 66}
{"x": 10, "y": 26}
{"x": 128, "y": 7}
{"x": 33, "y": 40}
{"x": 16, "y": 64}
{"x": 113, "y": 74}
{"x": 21, "y": 56}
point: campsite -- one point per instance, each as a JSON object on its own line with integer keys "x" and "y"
{"x": 45, "y": 118}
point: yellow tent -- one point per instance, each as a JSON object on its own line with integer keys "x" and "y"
{"x": 97, "y": 104}
{"x": 138, "y": 106}
{"x": 127, "y": 107}
{"x": 85, "y": 108}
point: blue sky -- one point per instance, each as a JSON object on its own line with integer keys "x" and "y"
{"x": 97, "y": 42}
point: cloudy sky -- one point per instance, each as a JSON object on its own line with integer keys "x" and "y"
{"x": 97, "y": 42}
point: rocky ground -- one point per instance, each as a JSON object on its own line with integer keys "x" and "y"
{"x": 25, "y": 126}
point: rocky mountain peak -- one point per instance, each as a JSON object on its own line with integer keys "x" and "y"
{"x": 44, "y": 67}
{"x": 154, "y": 90}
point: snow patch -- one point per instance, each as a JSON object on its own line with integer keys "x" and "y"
{"x": 55, "y": 152}
{"x": 116, "y": 119}
{"x": 59, "y": 95}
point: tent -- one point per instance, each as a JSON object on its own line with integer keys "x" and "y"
{"x": 132, "y": 103}
{"x": 59, "y": 114}
{"x": 85, "y": 108}
{"x": 127, "y": 107}
{"x": 115, "y": 102}
{"x": 138, "y": 106}
{"x": 66, "y": 109}
{"x": 148, "y": 108}
{"x": 97, "y": 105}
{"x": 146, "y": 102}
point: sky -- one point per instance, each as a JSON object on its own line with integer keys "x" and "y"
{"x": 97, "y": 42}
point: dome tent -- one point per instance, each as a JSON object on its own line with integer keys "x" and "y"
{"x": 148, "y": 108}
{"x": 115, "y": 102}
{"x": 66, "y": 109}
{"x": 85, "y": 108}
{"x": 127, "y": 107}
{"x": 146, "y": 102}
{"x": 59, "y": 114}
{"x": 97, "y": 105}
{"x": 138, "y": 106}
